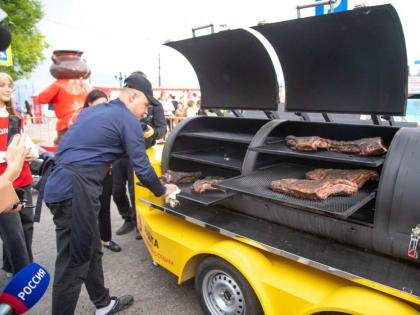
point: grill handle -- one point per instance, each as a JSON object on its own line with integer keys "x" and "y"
{"x": 317, "y": 4}
{"x": 211, "y": 26}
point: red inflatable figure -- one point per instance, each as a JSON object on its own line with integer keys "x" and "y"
{"x": 69, "y": 92}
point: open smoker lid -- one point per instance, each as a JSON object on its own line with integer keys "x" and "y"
{"x": 233, "y": 68}
{"x": 348, "y": 62}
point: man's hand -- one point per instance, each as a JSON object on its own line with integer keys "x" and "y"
{"x": 170, "y": 195}
{"x": 148, "y": 132}
{"x": 170, "y": 188}
{"x": 15, "y": 156}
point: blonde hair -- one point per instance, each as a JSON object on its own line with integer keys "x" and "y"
{"x": 9, "y": 105}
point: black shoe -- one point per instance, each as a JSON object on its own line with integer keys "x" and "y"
{"x": 121, "y": 303}
{"x": 138, "y": 236}
{"x": 125, "y": 228}
{"x": 113, "y": 246}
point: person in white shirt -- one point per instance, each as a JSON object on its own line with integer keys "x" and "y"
{"x": 191, "y": 110}
{"x": 168, "y": 107}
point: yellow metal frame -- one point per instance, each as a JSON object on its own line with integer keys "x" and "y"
{"x": 282, "y": 286}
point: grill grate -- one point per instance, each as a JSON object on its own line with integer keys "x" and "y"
{"x": 217, "y": 156}
{"x": 206, "y": 198}
{"x": 258, "y": 183}
{"x": 220, "y": 135}
{"x": 221, "y": 157}
{"x": 280, "y": 147}
{"x": 232, "y": 136}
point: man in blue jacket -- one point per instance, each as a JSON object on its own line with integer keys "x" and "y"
{"x": 154, "y": 128}
{"x": 100, "y": 135}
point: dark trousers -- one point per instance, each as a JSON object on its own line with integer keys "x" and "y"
{"x": 122, "y": 173}
{"x": 16, "y": 230}
{"x": 68, "y": 277}
{"x": 104, "y": 216}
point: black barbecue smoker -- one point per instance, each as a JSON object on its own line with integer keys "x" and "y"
{"x": 351, "y": 62}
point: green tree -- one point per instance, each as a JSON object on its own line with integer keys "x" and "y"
{"x": 27, "y": 41}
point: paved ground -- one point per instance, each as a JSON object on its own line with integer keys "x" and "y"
{"x": 155, "y": 290}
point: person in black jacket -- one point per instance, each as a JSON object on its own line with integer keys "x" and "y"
{"x": 154, "y": 128}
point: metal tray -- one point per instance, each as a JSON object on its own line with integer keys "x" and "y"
{"x": 207, "y": 198}
{"x": 257, "y": 184}
{"x": 279, "y": 147}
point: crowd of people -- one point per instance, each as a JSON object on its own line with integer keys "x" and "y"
{"x": 187, "y": 105}
{"x": 94, "y": 161}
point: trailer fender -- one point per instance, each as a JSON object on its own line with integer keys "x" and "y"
{"x": 249, "y": 262}
{"x": 190, "y": 267}
{"x": 361, "y": 301}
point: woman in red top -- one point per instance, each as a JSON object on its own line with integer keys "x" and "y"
{"x": 16, "y": 229}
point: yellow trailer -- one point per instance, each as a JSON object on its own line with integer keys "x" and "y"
{"x": 236, "y": 274}
{"x": 255, "y": 250}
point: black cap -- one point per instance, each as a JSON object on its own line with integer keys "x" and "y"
{"x": 140, "y": 83}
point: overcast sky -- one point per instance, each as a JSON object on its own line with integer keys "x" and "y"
{"x": 127, "y": 35}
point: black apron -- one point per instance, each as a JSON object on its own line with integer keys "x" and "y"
{"x": 44, "y": 171}
{"x": 87, "y": 187}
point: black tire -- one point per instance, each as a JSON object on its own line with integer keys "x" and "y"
{"x": 236, "y": 297}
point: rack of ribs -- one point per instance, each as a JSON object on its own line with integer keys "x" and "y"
{"x": 314, "y": 189}
{"x": 177, "y": 178}
{"x": 359, "y": 177}
{"x": 364, "y": 146}
{"x": 206, "y": 184}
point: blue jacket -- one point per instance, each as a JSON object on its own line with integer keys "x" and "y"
{"x": 101, "y": 134}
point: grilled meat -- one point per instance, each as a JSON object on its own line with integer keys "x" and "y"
{"x": 364, "y": 146}
{"x": 314, "y": 189}
{"x": 206, "y": 184}
{"x": 306, "y": 143}
{"x": 177, "y": 178}
{"x": 359, "y": 177}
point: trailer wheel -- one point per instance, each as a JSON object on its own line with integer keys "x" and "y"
{"x": 222, "y": 290}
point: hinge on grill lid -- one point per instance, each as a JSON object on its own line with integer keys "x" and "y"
{"x": 376, "y": 119}
{"x": 218, "y": 112}
{"x": 304, "y": 116}
{"x": 237, "y": 113}
{"x": 414, "y": 240}
{"x": 271, "y": 115}
{"x": 327, "y": 117}
{"x": 390, "y": 119}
